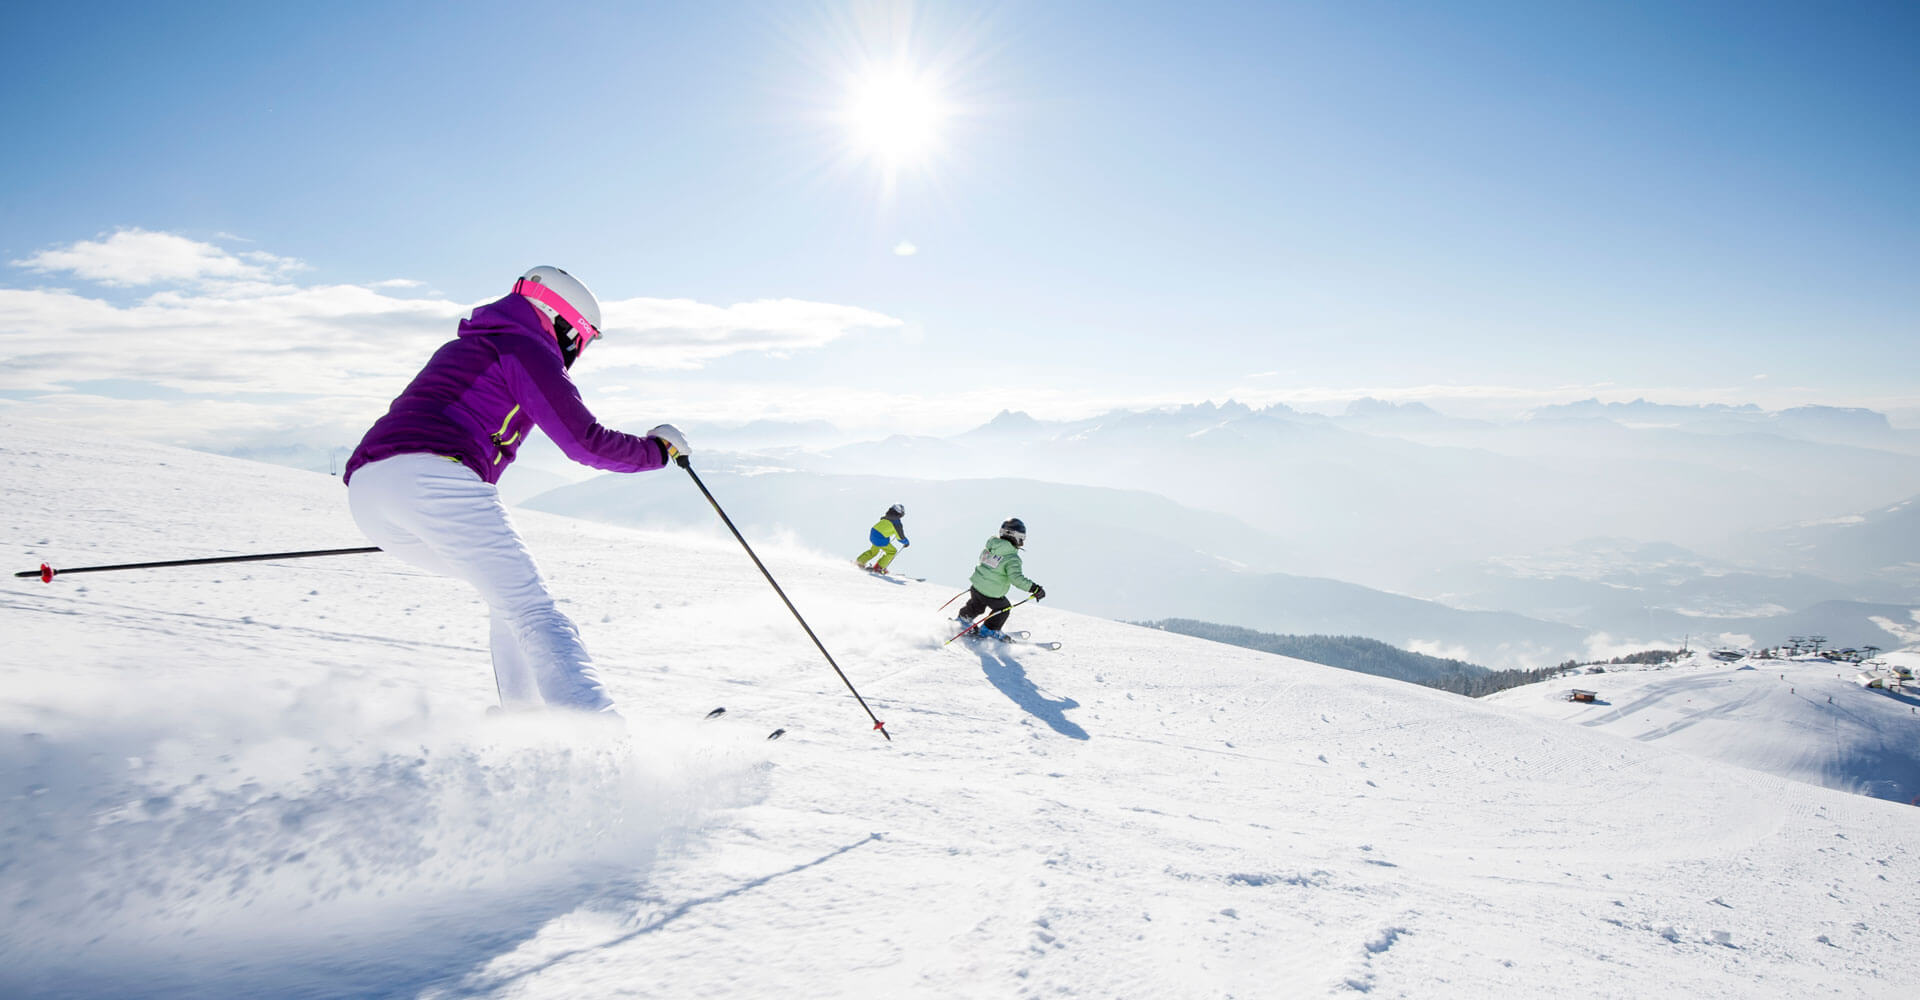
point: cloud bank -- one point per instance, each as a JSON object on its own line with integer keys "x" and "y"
{"x": 154, "y": 333}
{"x": 137, "y": 257}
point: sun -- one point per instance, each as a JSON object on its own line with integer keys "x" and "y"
{"x": 893, "y": 116}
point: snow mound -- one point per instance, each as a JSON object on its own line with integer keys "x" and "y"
{"x": 1804, "y": 719}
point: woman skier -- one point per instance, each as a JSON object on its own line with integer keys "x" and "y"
{"x": 421, "y": 483}
{"x": 884, "y": 533}
{"x": 999, "y": 571}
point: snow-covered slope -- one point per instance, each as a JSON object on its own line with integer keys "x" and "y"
{"x": 1801, "y": 719}
{"x": 278, "y": 779}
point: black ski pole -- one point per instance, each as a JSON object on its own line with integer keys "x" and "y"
{"x": 877, "y": 724}
{"x": 46, "y": 573}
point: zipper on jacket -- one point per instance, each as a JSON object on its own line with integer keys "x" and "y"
{"x": 500, "y": 443}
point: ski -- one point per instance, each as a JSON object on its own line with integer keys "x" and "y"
{"x": 895, "y": 577}
{"x": 1019, "y": 638}
{"x": 722, "y": 710}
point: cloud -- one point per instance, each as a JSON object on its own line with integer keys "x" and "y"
{"x": 223, "y": 344}
{"x": 683, "y": 333}
{"x": 905, "y": 249}
{"x": 245, "y": 338}
{"x": 137, "y": 257}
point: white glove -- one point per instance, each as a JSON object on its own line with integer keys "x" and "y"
{"x": 670, "y": 436}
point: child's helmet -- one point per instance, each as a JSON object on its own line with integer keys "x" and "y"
{"x": 897, "y": 510}
{"x": 1014, "y": 530}
{"x": 566, "y": 301}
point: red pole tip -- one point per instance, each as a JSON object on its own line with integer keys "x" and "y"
{"x": 46, "y": 573}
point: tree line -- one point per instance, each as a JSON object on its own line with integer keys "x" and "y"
{"x": 1371, "y": 656}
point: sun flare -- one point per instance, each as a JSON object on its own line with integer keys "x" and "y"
{"x": 893, "y": 115}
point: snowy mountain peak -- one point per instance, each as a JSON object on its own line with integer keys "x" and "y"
{"x": 1012, "y": 420}
{"x": 1368, "y": 406}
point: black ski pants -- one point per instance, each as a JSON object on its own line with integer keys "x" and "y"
{"x": 978, "y": 602}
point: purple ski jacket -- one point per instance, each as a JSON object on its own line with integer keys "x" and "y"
{"x": 485, "y": 389}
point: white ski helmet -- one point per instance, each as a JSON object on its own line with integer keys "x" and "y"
{"x": 565, "y": 300}
{"x": 897, "y": 510}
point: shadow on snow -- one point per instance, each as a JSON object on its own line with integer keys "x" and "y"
{"x": 1010, "y": 677}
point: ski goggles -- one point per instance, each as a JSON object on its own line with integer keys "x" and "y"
{"x": 583, "y": 331}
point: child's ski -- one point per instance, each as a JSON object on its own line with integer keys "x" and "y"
{"x": 891, "y": 577}
{"x": 1022, "y": 640}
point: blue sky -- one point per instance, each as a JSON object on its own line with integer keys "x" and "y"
{"x": 1480, "y": 205}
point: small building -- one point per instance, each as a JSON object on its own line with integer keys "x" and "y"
{"x": 1580, "y": 695}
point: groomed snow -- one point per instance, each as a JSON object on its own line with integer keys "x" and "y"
{"x": 1805, "y": 719}
{"x": 279, "y": 779}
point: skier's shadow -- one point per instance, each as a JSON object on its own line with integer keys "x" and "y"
{"x": 1010, "y": 677}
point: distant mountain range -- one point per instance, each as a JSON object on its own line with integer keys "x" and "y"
{"x": 1832, "y": 424}
{"x": 1387, "y": 494}
{"x": 1118, "y": 553}
{"x": 1481, "y": 540}
{"x": 1616, "y": 584}
{"x": 1878, "y": 546}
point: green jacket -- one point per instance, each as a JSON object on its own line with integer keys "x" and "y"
{"x": 999, "y": 569}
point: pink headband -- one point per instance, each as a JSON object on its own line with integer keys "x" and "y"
{"x": 584, "y": 332}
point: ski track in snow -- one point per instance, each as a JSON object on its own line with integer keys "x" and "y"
{"x": 279, "y": 780}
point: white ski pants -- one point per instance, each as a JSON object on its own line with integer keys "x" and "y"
{"x": 438, "y": 515}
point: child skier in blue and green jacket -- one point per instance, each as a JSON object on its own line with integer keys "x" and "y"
{"x": 885, "y": 532}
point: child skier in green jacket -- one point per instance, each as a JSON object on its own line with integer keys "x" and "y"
{"x": 999, "y": 571}
{"x": 885, "y": 532}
